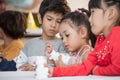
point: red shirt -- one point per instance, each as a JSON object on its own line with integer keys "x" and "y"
{"x": 106, "y": 55}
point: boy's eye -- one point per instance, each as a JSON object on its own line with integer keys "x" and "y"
{"x": 49, "y": 19}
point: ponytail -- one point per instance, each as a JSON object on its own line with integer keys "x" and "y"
{"x": 92, "y": 37}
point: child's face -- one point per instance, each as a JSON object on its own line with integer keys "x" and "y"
{"x": 97, "y": 21}
{"x": 70, "y": 37}
{"x": 50, "y": 23}
{"x": 101, "y": 19}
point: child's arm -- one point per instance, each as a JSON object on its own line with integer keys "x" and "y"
{"x": 7, "y": 65}
{"x": 79, "y": 69}
{"x": 22, "y": 63}
{"x": 20, "y": 59}
{"x": 114, "y": 67}
{"x": 85, "y": 56}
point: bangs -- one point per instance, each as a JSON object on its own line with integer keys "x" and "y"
{"x": 94, "y": 4}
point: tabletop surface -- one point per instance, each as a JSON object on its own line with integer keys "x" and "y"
{"x": 29, "y": 75}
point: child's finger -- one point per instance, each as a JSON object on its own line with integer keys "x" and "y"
{"x": 50, "y": 71}
{"x": 45, "y": 65}
{"x": 48, "y": 44}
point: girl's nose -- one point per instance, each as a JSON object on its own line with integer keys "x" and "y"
{"x": 64, "y": 41}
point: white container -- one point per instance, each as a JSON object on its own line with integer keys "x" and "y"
{"x": 41, "y": 71}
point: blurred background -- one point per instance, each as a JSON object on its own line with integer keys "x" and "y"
{"x": 30, "y": 8}
{"x": 74, "y": 4}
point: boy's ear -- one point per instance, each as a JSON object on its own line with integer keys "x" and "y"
{"x": 39, "y": 18}
{"x": 83, "y": 32}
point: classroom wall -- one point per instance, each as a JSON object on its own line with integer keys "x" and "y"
{"x": 74, "y": 4}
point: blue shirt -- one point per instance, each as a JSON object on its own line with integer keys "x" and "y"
{"x": 7, "y": 65}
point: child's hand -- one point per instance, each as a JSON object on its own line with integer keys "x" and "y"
{"x": 48, "y": 49}
{"x": 59, "y": 62}
{"x": 27, "y": 67}
{"x": 50, "y": 70}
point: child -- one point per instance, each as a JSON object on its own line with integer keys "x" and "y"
{"x": 12, "y": 28}
{"x": 75, "y": 33}
{"x": 50, "y": 15}
{"x": 105, "y": 59}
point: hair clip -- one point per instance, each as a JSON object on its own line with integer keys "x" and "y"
{"x": 85, "y": 11}
{"x": 79, "y": 11}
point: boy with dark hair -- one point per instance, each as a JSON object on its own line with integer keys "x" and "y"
{"x": 50, "y": 15}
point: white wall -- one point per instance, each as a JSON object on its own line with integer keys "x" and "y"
{"x": 74, "y": 4}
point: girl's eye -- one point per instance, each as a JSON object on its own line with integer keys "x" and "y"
{"x": 67, "y": 35}
{"x": 92, "y": 11}
{"x": 58, "y": 21}
{"x": 61, "y": 38}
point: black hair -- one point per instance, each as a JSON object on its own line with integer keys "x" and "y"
{"x": 87, "y": 12}
{"x": 78, "y": 19}
{"x": 97, "y": 4}
{"x": 57, "y": 6}
{"x": 13, "y": 23}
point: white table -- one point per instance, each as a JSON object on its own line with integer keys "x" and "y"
{"x": 28, "y": 75}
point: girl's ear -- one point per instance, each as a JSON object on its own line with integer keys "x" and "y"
{"x": 83, "y": 32}
{"x": 39, "y": 18}
{"x": 112, "y": 12}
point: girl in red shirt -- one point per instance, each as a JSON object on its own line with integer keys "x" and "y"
{"x": 105, "y": 58}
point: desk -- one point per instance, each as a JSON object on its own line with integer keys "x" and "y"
{"x": 29, "y": 75}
